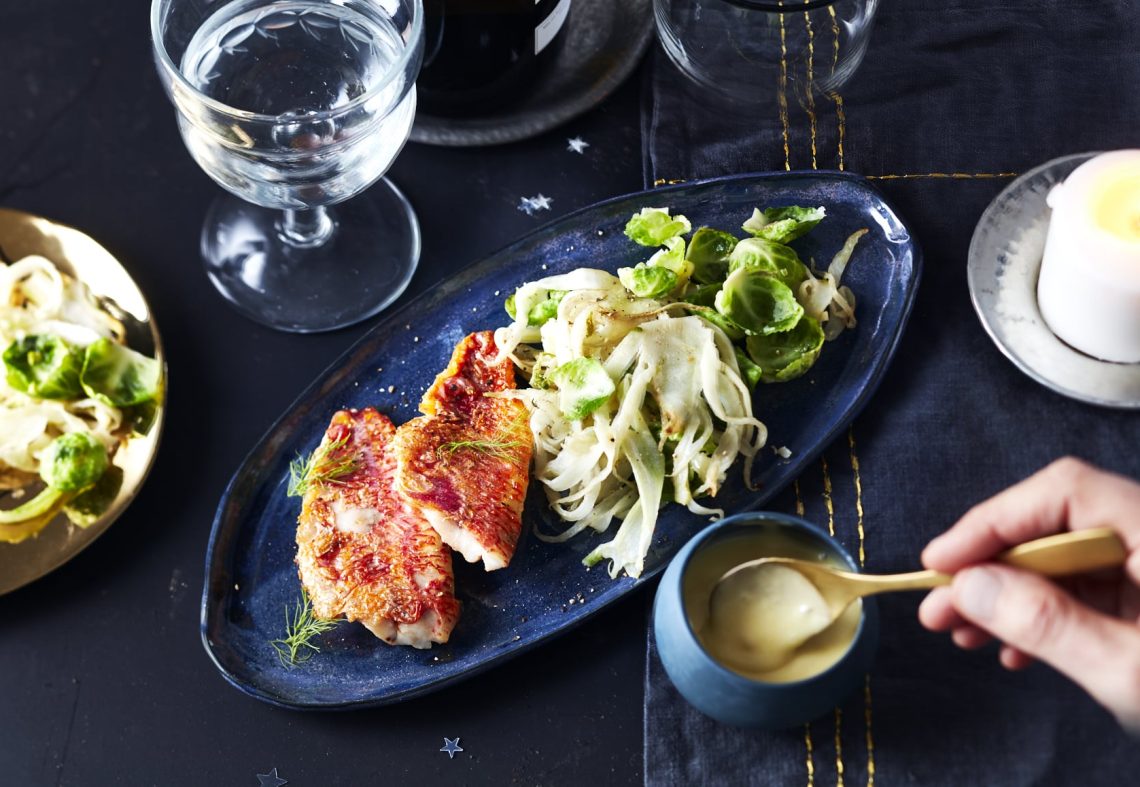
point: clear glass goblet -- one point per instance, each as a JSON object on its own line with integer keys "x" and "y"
{"x": 294, "y": 106}
{"x": 757, "y": 53}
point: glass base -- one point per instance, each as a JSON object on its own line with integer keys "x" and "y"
{"x": 347, "y": 271}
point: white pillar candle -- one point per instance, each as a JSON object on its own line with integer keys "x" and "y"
{"x": 1089, "y": 289}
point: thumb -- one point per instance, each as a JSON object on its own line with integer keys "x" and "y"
{"x": 1027, "y": 611}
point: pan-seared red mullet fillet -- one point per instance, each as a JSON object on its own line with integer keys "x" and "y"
{"x": 465, "y": 464}
{"x": 475, "y": 369}
{"x": 363, "y": 552}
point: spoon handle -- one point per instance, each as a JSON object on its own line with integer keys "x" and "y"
{"x": 870, "y": 584}
{"x": 1060, "y": 555}
{"x": 1074, "y": 552}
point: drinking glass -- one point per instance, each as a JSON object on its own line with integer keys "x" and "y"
{"x": 754, "y": 52}
{"x": 293, "y": 107}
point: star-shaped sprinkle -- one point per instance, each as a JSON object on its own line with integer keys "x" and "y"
{"x": 270, "y": 779}
{"x": 577, "y": 145}
{"x": 529, "y": 205}
{"x": 451, "y": 746}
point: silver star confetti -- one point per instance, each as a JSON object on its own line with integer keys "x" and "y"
{"x": 451, "y": 746}
{"x": 529, "y": 205}
{"x": 577, "y": 145}
{"x": 271, "y": 779}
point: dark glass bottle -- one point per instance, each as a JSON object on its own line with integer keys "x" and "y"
{"x": 482, "y": 55}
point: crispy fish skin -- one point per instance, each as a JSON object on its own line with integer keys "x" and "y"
{"x": 474, "y": 370}
{"x": 468, "y": 477}
{"x": 363, "y": 552}
{"x": 465, "y": 464}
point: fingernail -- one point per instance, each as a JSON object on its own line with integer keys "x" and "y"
{"x": 976, "y": 591}
{"x": 932, "y": 548}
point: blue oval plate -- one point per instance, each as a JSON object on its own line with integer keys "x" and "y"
{"x": 250, "y": 575}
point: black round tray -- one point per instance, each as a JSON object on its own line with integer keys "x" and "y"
{"x": 605, "y": 39}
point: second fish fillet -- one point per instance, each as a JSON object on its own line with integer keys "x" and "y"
{"x": 464, "y": 465}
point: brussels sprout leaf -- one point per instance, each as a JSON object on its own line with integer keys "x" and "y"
{"x": 542, "y": 311}
{"x": 118, "y": 375}
{"x": 783, "y": 225}
{"x": 647, "y": 281}
{"x": 540, "y": 374}
{"x": 45, "y": 367}
{"x": 750, "y": 372}
{"x": 583, "y": 387}
{"x": 673, "y": 258}
{"x": 654, "y": 226}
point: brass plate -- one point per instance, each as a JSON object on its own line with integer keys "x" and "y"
{"x": 79, "y": 256}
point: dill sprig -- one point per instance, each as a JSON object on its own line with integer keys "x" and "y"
{"x": 321, "y": 466}
{"x": 501, "y": 445}
{"x": 301, "y": 628}
{"x": 501, "y": 449}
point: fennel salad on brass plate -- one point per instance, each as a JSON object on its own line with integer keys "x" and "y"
{"x": 71, "y": 392}
{"x": 641, "y": 384}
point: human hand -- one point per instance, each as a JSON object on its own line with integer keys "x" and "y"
{"x": 1088, "y": 628}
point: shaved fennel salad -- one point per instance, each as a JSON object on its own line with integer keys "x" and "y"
{"x": 641, "y": 383}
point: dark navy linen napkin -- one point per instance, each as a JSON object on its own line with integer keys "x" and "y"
{"x": 952, "y": 101}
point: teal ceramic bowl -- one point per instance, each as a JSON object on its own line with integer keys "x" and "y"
{"x": 728, "y": 696}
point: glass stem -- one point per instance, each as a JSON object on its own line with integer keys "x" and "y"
{"x": 306, "y": 228}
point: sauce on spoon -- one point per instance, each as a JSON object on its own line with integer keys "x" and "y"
{"x": 758, "y": 618}
{"x": 770, "y": 624}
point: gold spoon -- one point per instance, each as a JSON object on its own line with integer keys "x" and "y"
{"x": 1059, "y": 555}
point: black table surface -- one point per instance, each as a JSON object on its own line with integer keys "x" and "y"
{"x": 103, "y": 678}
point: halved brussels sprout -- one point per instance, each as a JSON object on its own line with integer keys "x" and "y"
{"x": 758, "y": 302}
{"x": 703, "y": 300}
{"x": 704, "y": 295}
{"x": 785, "y": 356}
{"x": 72, "y": 462}
{"x": 708, "y": 251}
{"x": 774, "y": 259}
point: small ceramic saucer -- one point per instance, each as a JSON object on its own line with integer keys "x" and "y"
{"x": 1004, "y": 260}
